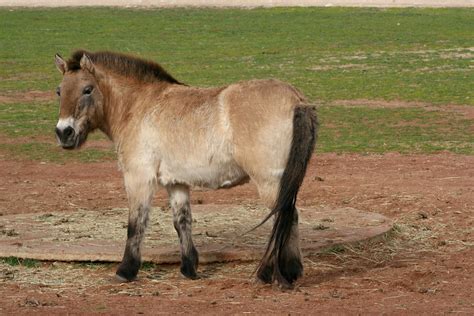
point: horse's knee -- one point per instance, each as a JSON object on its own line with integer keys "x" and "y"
{"x": 179, "y": 197}
{"x": 179, "y": 202}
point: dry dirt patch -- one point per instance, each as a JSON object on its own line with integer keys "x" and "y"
{"x": 28, "y": 96}
{"x": 426, "y": 267}
{"x": 465, "y": 110}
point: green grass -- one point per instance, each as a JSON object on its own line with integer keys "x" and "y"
{"x": 329, "y": 53}
{"x": 14, "y": 261}
{"x": 30, "y": 126}
{"x": 50, "y": 152}
{"x": 28, "y": 119}
{"x": 405, "y": 130}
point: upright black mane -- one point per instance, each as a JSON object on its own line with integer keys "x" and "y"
{"x": 125, "y": 65}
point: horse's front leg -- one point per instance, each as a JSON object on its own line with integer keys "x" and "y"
{"x": 182, "y": 220}
{"x": 140, "y": 188}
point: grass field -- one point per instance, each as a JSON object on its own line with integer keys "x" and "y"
{"x": 404, "y": 55}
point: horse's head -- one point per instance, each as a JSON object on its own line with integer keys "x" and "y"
{"x": 80, "y": 101}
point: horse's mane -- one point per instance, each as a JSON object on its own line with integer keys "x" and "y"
{"x": 125, "y": 65}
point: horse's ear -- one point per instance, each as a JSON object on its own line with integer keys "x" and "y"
{"x": 60, "y": 63}
{"x": 87, "y": 64}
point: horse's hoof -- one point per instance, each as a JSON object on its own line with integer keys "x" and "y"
{"x": 124, "y": 276}
{"x": 120, "y": 279}
{"x": 191, "y": 277}
{"x": 189, "y": 274}
{"x": 285, "y": 285}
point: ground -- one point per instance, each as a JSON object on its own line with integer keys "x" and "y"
{"x": 423, "y": 266}
{"x": 409, "y": 81}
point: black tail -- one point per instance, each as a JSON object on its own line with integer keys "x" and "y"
{"x": 273, "y": 265}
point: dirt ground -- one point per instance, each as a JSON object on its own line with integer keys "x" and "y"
{"x": 424, "y": 266}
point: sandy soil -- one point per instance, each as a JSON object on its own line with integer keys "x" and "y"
{"x": 425, "y": 266}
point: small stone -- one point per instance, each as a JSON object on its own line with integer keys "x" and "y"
{"x": 422, "y": 215}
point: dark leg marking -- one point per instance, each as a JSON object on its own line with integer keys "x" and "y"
{"x": 131, "y": 261}
{"x": 189, "y": 256}
{"x": 182, "y": 220}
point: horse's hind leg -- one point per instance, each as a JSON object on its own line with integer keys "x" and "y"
{"x": 279, "y": 180}
{"x": 289, "y": 265}
{"x": 140, "y": 187}
{"x": 182, "y": 220}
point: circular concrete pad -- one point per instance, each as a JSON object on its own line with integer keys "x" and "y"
{"x": 217, "y": 232}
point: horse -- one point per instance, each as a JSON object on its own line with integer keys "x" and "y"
{"x": 174, "y": 136}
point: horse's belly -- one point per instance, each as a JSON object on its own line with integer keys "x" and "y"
{"x": 212, "y": 175}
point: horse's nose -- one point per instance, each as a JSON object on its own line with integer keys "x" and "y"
{"x": 64, "y": 134}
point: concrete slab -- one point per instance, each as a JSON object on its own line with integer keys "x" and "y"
{"x": 217, "y": 233}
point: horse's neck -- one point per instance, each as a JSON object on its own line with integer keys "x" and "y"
{"x": 124, "y": 102}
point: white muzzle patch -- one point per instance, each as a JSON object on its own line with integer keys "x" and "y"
{"x": 65, "y": 122}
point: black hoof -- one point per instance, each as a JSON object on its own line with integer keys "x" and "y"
{"x": 121, "y": 279}
{"x": 189, "y": 272}
{"x": 128, "y": 272}
{"x": 189, "y": 265}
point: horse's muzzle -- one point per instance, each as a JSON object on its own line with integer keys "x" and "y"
{"x": 66, "y": 137}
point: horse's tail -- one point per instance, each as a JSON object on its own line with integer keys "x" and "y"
{"x": 302, "y": 145}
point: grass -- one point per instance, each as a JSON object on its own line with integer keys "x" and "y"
{"x": 405, "y": 130}
{"x": 27, "y": 119}
{"x": 14, "y": 261}
{"x": 329, "y": 53}
{"x": 30, "y": 127}
{"x": 49, "y": 152}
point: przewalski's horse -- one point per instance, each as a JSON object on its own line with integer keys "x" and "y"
{"x": 176, "y": 136}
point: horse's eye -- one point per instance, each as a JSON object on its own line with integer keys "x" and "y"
{"x": 58, "y": 91}
{"x": 87, "y": 90}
